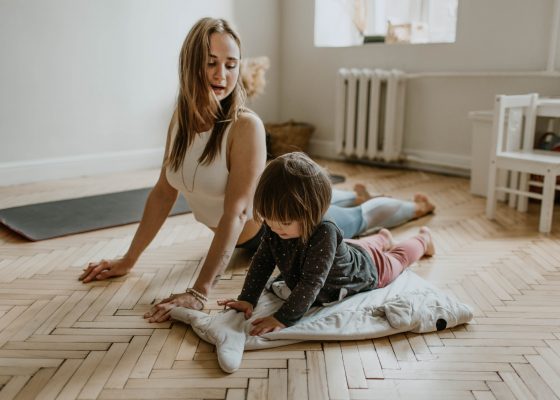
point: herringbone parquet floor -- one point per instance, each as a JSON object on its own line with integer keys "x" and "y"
{"x": 61, "y": 339}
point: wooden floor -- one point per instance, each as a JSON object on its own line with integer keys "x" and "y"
{"x": 61, "y": 339}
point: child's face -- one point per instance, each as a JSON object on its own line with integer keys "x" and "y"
{"x": 286, "y": 230}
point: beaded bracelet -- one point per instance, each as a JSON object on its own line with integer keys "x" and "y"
{"x": 197, "y": 295}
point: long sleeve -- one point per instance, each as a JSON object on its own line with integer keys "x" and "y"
{"x": 262, "y": 266}
{"x": 319, "y": 256}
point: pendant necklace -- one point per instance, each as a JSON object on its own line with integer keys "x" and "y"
{"x": 194, "y": 174}
{"x": 193, "y": 178}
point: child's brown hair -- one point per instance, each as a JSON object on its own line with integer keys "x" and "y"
{"x": 293, "y": 187}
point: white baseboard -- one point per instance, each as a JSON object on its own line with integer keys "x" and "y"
{"x": 71, "y": 167}
{"x": 455, "y": 164}
{"x": 447, "y": 163}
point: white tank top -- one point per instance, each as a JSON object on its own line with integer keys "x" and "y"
{"x": 203, "y": 185}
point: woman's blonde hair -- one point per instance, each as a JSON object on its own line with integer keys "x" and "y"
{"x": 197, "y": 108}
{"x": 293, "y": 188}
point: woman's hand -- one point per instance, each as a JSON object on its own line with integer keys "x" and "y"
{"x": 265, "y": 325}
{"x": 244, "y": 306}
{"x": 98, "y": 271}
{"x": 160, "y": 312}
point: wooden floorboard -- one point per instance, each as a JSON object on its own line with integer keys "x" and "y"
{"x": 61, "y": 339}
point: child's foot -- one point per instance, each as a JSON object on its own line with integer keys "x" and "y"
{"x": 423, "y": 205}
{"x": 362, "y": 194}
{"x": 427, "y": 236}
{"x": 389, "y": 244}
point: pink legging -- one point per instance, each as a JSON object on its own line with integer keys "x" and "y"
{"x": 391, "y": 263}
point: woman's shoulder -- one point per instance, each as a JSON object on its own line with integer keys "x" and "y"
{"x": 247, "y": 129}
{"x": 248, "y": 122}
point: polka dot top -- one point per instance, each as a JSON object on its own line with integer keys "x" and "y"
{"x": 323, "y": 270}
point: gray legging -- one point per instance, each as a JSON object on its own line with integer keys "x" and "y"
{"x": 379, "y": 212}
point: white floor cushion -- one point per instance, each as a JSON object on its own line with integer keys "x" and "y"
{"x": 410, "y": 303}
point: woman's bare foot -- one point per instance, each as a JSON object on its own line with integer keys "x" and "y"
{"x": 362, "y": 194}
{"x": 389, "y": 244}
{"x": 423, "y": 205}
{"x": 427, "y": 236}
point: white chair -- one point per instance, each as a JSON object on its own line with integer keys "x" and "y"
{"x": 513, "y": 150}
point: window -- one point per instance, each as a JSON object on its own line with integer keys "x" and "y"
{"x": 341, "y": 23}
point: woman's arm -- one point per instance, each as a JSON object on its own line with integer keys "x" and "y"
{"x": 247, "y": 158}
{"x": 157, "y": 208}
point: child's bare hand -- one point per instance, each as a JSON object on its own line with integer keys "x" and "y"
{"x": 98, "y": 271}
{"x": 244, "y": 306}
{"x": 265, "y": 325}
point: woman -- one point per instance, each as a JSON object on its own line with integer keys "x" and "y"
{"x": 214, "y": 155}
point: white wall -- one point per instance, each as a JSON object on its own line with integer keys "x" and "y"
{"x": 258, "y": 23}
{"x": 89, "y": 86}
{"x": 507, "y": 36}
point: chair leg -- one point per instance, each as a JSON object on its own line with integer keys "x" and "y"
{"x": 491, "y": 192}
{"x": 547, "y": 205}
{"x": 513, "y": 184}
{"x": 523, "y": 202}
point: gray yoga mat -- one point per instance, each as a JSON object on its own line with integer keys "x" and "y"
{"x": 66, "y": 217}
{"x": 337, "y": 178}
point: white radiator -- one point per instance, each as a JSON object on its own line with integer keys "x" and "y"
{"x": 370, "y": 113}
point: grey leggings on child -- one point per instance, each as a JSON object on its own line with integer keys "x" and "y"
{"x": 379, "y": 212}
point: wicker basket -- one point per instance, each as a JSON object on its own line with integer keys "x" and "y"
{"x": 289, "y": 136}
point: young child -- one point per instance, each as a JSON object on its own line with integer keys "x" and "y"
{"x": 317, "y": 264}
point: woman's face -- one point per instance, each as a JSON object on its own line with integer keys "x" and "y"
{"x": 223, "y": 64}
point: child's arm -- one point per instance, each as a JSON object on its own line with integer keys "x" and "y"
{"x": 262, "y": 266}
{"x": 319, "y": 258}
